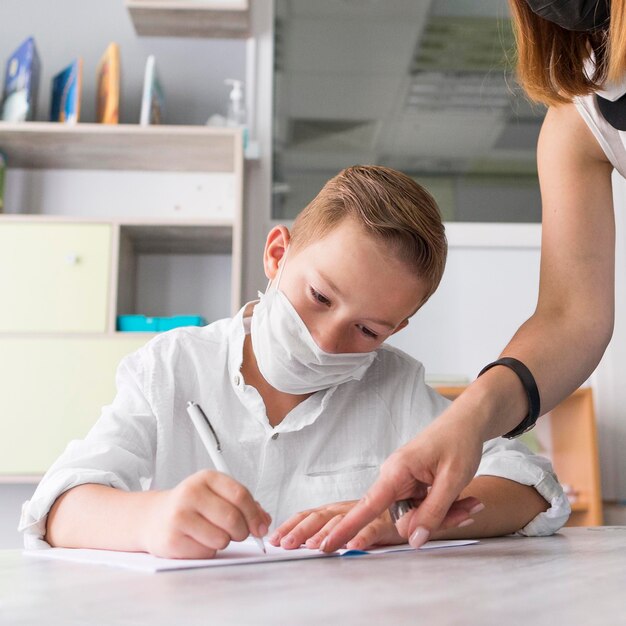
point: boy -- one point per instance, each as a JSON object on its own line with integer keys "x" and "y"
{"x": 306, "y": 400}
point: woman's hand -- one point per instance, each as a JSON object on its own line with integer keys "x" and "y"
{"x": 431, "y": 470}
{"x": 311, "y": 527}
{"x": 202, "y": 515}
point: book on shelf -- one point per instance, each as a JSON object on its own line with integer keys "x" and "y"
{"x": 108, "y": 86}
{"x": 152, "y": 100}
{"x": 66, "y": 93}
{"x": 21, "y": 84}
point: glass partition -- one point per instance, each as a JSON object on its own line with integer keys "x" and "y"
{"x": 425, "y": 87}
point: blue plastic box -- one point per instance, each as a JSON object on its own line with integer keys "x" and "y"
{"x": 143, "y": 323}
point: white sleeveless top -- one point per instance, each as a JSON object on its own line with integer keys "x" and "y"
{"x": 611, "y": 140}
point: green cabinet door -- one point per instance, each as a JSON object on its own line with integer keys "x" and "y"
{"x": 54, "y": 277}
{"x": 52, "y": 391}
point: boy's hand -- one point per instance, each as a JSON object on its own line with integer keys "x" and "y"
{"x": 202, "y": 515}
{"x": 312, "y": 526}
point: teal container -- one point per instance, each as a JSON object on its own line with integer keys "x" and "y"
{"x": 145, "y": 324}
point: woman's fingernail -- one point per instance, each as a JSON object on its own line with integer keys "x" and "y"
{"x": 287, "y": 541}
{"x": 477, "y": 509}
{"x": 419, "y": 537}
{"x": 466, "y": 522}
{"x": 323, "y": 544}
{"x": 263, "y": 530}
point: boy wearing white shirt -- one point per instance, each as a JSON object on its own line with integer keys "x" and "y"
{"x": 305, "y": 397}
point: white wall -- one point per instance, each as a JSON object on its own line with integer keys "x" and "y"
{"x": 489, "y": 288}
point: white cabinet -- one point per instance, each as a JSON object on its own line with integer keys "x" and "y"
{"x": 54, "y": 277}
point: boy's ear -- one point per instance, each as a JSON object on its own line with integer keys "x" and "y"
{"x": 275, "y": 247}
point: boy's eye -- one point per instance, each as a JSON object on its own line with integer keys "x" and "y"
{"x": 368, "y": 333}
{"x": 319, "y": 297}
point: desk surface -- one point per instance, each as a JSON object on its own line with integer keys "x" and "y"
{"x": 575, "y": 577}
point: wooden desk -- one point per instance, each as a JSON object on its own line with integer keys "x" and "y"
{"x": 574, "y": 578}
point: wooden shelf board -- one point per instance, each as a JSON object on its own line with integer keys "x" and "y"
{"x": 177, "y": 239}
{"x": 51, "y": 145}
{"x": 30, "y": 218}
{"x": 172, "y": 18}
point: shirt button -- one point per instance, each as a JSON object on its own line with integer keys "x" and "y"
{"x": 237, "y": 379}
{"x": 275, "y": 436}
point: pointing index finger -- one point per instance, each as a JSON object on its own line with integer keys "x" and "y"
{"x": 378, "y": 498}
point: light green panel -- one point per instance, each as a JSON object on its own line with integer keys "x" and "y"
{"x": 54, "y": 277}
{"x": 51, "y": 391}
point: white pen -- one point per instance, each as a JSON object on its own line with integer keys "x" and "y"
{"x": 212, "y": 444}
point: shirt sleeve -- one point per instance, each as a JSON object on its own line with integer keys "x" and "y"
{"x": 119, "y": 451}
{"x": 511, "y": 459}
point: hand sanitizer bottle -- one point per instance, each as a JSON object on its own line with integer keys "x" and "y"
{"x": 236, "y": 112}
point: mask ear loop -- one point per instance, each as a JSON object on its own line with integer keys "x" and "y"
{"x": 280, "y": 271}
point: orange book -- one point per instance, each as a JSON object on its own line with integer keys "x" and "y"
{"x": 108, "y": 80}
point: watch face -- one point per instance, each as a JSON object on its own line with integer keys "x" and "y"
{"x": 613, "y": 111}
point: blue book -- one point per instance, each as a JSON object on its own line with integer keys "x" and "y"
{"x": 21, "y": 84}
{"x": 66, "y": 93}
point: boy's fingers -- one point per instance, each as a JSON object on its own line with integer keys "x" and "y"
{"x": 314, "y": 542}
{"x": 309, "y": 526}
{"x": 286, "y": 527}
{"x": 207, "y": 534}
{"x": 371, "y": 535}
{"x": 377, "y": 499}
{"x": 235, "y": 493}
{"x": 184, "y": 547}
{"x": 217, "y": 511}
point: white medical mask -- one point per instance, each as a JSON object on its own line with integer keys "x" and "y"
{"x": 286, "y": 353}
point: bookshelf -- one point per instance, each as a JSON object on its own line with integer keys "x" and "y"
{"x": 573, "y": 450}
{"x": 176, "y": 18}
{"x": 42, "y": 145}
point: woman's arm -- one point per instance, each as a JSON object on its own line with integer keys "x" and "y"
{"x": 561, "y": 343}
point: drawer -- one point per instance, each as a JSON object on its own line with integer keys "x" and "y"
{"x": 54, "y": 277}
{"x": 52, "y": 390}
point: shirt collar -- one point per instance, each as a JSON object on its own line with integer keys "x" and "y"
{"x": 302, "y": 415}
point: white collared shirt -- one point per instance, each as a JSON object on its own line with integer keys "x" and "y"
{"x": 329, "y": 448}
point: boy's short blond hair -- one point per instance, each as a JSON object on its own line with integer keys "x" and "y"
{"x": 391, "y": 207}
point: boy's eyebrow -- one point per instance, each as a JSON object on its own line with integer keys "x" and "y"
{"x": 332, "y": 285}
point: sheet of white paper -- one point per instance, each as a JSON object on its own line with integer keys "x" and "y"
{"x": 235, "y": 554}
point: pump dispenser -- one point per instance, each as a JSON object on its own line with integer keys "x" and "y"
{"x": 236, "y": 112}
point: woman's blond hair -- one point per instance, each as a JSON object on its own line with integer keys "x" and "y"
{"x": 389, "y": 206}
{"x": 550, "y": 59}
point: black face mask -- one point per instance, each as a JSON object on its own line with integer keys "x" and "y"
{"x": 578, "y": 15}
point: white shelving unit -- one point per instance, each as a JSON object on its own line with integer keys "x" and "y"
{"x": 175, "y": 18}
{"x": 66, "y": 274}
{"x": 44, "y": 145}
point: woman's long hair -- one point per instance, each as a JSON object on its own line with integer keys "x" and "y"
{"x": 550, "y": 59}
